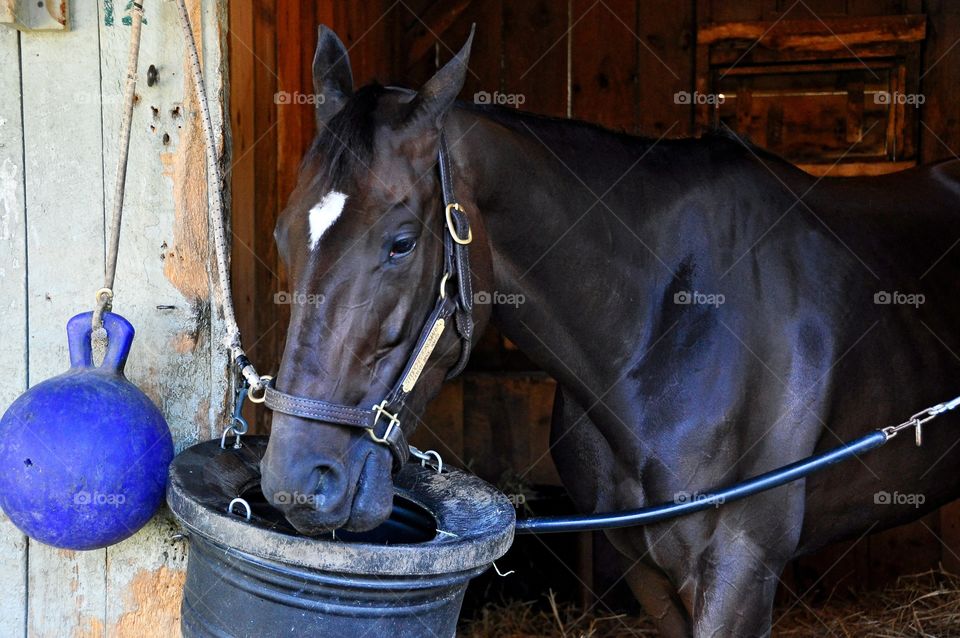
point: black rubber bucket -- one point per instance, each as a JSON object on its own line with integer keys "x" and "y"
{"x": 260, "y": 578}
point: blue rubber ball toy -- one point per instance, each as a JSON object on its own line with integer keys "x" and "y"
{"x": 84, "y": 455}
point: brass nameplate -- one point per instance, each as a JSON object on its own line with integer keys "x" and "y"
{"x": 418, "y": 364}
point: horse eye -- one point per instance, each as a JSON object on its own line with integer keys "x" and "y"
{"x": 402, "y": 247}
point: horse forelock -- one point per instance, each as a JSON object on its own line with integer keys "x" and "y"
{"x": 343, "y": 147}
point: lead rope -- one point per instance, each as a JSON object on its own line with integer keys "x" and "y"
{"x": 221, "y": 292}
{"x": 104, "y": 296}
{"x": 252, "y": 381}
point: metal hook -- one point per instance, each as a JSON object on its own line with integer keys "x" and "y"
{"x": 223, "y": 437}
{"x": 435, "y": 455}
{"x": 242, "y": 422}
{"x": 237, "y": 433}
{"x": 431, "y": 456}
{"x": 241, "y": 501}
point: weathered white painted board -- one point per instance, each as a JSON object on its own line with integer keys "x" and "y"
{"x": 13, "y": 292}
{"x": 161, "y": 288}
{"x": 61, "y": 106}
{"x": 61, "y": 162}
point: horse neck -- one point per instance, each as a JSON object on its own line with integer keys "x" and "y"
{"x": 556, "y": 286}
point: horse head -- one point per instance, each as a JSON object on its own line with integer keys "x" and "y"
{"x": 363, "y": 239}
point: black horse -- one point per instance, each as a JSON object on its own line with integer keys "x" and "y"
{"x": 709, "y": 311}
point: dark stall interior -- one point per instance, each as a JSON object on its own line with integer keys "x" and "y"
{"x": 804, "y": 79}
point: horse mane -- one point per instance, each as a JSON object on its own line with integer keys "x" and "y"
{"x": 571, "y": 129}
{"x": 526, "y": 121}
{"x": 345, "y": 144}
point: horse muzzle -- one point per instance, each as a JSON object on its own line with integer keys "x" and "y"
{"x": 319, "y": 491}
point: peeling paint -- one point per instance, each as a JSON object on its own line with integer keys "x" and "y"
{"x": 185, "y": 265}
{"x": 108, "y": 14}
{"x": 184, "y": 342}
{"x": 90, "y": 627}
{"x": 153, "y": 598}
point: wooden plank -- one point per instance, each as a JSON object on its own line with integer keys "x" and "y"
{"x": 13, "y": 289}
{"x": 363, "y": 27}
{"x": 414, "y": 74}
{"x": 266, "y": 339}
{"x": 173, "y": 353}
{"x": 442, "y": 425}
{"x": 253, "y": 111}
{"x": 720, "y": 11}
{"x": 243, "y": 184}
{"x": 431, "y": 25}
{"x": 507, "y": 427}
{"x": 292, "y": 119}
{"x": 487, "y": 49}
{"x": 940, "y": 134}
{"x": 604, "y": 71}
{"x": 810, "y": 35}
{"x": 65, "y": 207}
{"x": 535, "y": 51}
{"x": 849, "y": 169}
{"x": 882, "y": 7}
{"x": 665, "y": 66}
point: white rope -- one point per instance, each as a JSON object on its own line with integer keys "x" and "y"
{"x": 214, "y": 184}
{"x": 104, "y": 296}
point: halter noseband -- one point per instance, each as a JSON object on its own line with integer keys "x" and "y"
{"x": 382, "y": 421}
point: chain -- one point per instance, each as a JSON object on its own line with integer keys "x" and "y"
{"x": 918, "y": 419}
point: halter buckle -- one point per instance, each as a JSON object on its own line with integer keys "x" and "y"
{"x": 380, "y": 410}
{"x": 453, "y": 229}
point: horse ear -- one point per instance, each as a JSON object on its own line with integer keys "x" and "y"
{"x": 434, "y": 100}
{"x": 332, "y": 77}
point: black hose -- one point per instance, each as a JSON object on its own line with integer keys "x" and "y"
{"x": 691, "y": 503}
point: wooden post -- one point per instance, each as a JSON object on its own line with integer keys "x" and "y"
{"x": 52, "y": 210}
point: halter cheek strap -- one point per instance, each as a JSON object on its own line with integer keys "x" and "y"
{"x": 382, "y": 421}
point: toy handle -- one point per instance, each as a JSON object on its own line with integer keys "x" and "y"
{"x": 119, "y": 338}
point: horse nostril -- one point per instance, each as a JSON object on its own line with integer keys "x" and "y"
{"x": 329, "y": 488}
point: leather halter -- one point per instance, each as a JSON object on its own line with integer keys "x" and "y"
{"x": 382, "y": 420}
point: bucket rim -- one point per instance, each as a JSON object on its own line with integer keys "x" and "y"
{"x": 477, "y": 519}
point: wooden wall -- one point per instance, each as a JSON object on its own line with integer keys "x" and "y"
{"x": 60, "y": 103}
{"x": 617, "y": 62}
